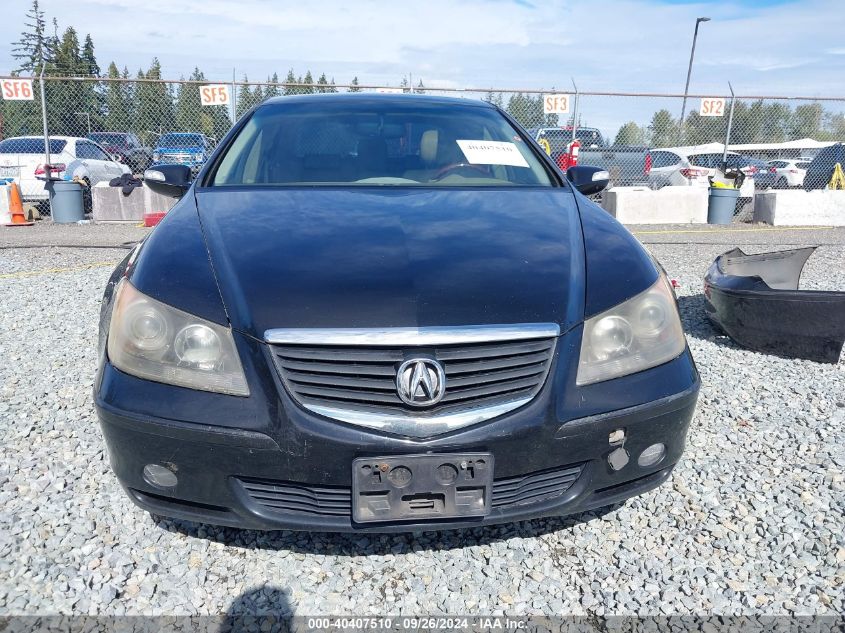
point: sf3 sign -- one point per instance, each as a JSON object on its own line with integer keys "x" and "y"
{"x": 215, "y": 95}
{"x": 17, "y": 89}
{"x": 555, "y": 104}
{"x": 712, "y": 107}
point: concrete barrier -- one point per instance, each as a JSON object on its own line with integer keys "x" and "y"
{"x": 800, "y": 208}
{"x": 669, "y": 205}
{"x": 110, "y": 205}
{"x": 5, "y": 214}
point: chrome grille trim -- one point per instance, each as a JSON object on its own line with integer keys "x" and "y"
{"x": 350, "y": 374}
{"x": 411, "y": 336}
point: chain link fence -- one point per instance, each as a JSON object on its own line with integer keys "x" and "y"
{"x": 639, "y": 138}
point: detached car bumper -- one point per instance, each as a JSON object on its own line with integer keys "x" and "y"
{"x": 297, "y": 472}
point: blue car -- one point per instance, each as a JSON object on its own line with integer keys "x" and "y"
{"x": 183, "y": 148}
{"x": 382, "y": 313}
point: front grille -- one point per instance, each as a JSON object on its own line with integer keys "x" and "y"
{"x": 357, "y": 384}
{"x": 178, "y": 158}
{"x": 295, "y": 498}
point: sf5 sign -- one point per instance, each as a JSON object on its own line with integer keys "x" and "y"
{"x": 712, "y": 107}
{"x": 17, "y": 89}
{"x": 215, "y": 94}
{"x": 555, "y": 104}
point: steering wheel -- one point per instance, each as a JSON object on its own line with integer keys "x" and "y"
{"x": 455, "y": 166}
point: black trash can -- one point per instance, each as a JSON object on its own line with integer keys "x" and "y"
{"x": 721, "y": 204}
{"x": 66, "y": 204}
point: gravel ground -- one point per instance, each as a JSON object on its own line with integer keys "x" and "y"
{"x": 750, "y": 522}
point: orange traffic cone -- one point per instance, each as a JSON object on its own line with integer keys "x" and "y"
{"x": 16, "y": 207}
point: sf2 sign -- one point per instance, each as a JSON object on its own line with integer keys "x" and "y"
{"x": 712, "y": 107}
{"x": 17, "y": 89}
{"x": 555, "y": 104}
{"x": 215, "y": 95}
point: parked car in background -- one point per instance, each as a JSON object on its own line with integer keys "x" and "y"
{"x": 820, "y": 170}
{"x": 23, "y": 159}
{"x": 680, "y": 167}
{"x": 126, "y": 148}
{"x": 626, "y": 164}
{"x": 788, "y": 173}
{"x": 183, "y": 148}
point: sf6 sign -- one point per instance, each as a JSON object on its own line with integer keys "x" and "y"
{"x": 712, "y": 107}
{"x": 217, "y": 94}
{"x": 17, "y": 89}
{"x": 555, "y": 104}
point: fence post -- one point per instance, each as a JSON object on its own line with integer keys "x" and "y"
{"x": 234, "y": 98}
{"x": 574, "y": 111}
{"x": 47, "y": 158}
{"x": 728, "y": 130}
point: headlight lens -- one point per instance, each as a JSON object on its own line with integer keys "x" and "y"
{"x": 156, "y": 156}
{"x": 199, "y": 157}
{"x": 152, "y": 340}
{"x": 643, "y": 332}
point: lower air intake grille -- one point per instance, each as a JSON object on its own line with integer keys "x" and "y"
{"x": 294, "y": 498}
{"x": 288, "y": 497}
{"x": 534, "y": 488}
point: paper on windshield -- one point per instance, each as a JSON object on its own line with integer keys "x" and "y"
{"x": 492, "y": 153}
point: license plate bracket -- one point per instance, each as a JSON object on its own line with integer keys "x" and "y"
{"x": 420, "y": 487}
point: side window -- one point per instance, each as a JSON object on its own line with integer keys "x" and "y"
{"x": 132, "y": 141}
{"x": 83, "y": 149}
{"x": 97, "y": 153}
{"x": 802, "y": 165}
{"x": 664, "y": 159}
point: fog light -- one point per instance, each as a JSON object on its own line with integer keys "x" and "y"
{"x": 159, "y": 476}
{"x": 651, "y": 455}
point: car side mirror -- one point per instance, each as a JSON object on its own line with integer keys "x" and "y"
{"x": 588, "y": 180}
{"x": 169, "y": 180}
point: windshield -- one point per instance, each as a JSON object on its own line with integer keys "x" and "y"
{"x": 180, "y": 140}
{"x": 372, "y": 143}
{"x": 30, "y": 146}
{"x": 108, "y": 139}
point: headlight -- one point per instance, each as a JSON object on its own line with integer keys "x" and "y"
{"x": 643, "y": 332}
{"x": 156, "y": 156}
{"x": 154, "y": 341}
{"x": 199, "y": 157}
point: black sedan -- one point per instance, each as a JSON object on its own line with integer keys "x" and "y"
{"x": 388, "y": 313}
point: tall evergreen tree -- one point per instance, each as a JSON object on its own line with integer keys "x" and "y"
{"x": 272, "y": 89}
{"x": 89, "y": 61}
{"x": 155, "y": 102}
{"x": 308, "y": 88}
{"x": 322, "y": 84}
{"x": 663, "y": 129}
{"x": 353, "y": 85}
{"x": 290, "y": 79}
{"x": 118, "y": 113}
{"x": 33, "y": 47}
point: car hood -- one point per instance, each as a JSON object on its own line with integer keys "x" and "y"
{"x": 332, "y": 257}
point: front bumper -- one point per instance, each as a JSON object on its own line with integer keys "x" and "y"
{"x": 300, "y": 477}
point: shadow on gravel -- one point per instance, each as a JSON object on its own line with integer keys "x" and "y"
{"x": 344, "y": 544}
{"x": 265, "y": 608}
{"x": 697, "y": 325}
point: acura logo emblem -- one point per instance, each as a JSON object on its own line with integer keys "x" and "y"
{"x": 420, "y": 382}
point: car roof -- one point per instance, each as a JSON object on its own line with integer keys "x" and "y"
{"x": 377, "y": 98}
{"x": 53, "y": 137}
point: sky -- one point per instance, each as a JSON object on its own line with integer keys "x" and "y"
{"x": 777, "y": 47}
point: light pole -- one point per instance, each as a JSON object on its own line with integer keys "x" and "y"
{"x": 87, "y": 116}
{"x": 689, "y": 72}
